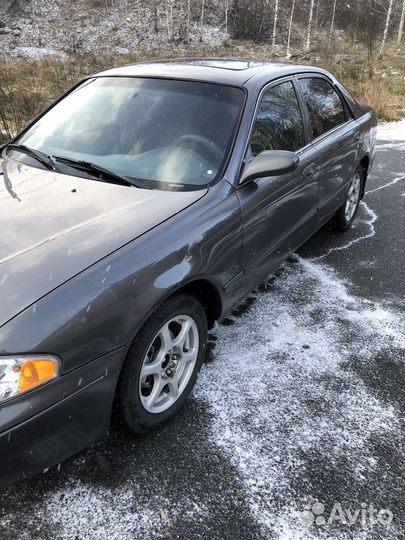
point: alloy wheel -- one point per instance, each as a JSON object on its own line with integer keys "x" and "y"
{"x": 169, "y": 363}
{"x": 353, "y": 196}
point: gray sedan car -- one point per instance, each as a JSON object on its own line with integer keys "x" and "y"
{"x": 138, "y": 210}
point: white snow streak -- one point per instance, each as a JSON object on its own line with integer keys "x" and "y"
{"x": 391, "y": 183}
{"x": 369, "y": 222}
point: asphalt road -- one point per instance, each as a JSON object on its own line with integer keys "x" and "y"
{"x": 297, "y": 415}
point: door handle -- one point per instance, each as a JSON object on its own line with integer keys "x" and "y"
{"x": 310, "y": 170}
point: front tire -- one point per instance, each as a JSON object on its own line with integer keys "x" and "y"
{"x": 162, "y": 364}
{"x": 344, "y": 217}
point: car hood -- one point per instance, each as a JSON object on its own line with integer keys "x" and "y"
{"x": 53, "y": 226}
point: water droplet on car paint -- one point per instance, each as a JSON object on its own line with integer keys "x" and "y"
{"x": 3, "y": 279}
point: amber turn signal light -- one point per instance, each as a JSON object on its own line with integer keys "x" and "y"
{"x": 23, "y": 373}
{"x": 35, "y": 372}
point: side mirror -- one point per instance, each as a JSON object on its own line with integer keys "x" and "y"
{"x": 269, "y": 163}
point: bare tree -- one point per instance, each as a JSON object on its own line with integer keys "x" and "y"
{"x": 311, "y": 14}
{"x": 290, "y": 27}
{"x": 226, "y": 9}
{"x": 401, "y": 25}
{"x": 273, "y": 43}
{"x": 387, "y": 24}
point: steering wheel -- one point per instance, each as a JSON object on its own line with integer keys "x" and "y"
{"x": 198, "y": 140}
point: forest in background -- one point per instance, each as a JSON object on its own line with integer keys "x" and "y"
{"x": 47, "y": 45}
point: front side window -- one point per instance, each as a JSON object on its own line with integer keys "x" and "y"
{"x": 161, "y": 132}
{"x": 278, "y": 124}
{"x": 324, "y": 105}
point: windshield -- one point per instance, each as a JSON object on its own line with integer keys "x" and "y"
{"x": 162, "y": 132}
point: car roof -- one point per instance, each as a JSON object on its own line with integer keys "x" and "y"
{"x": 211, "y": 70}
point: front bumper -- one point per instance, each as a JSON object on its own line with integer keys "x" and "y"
{"x": 52, "y": 423}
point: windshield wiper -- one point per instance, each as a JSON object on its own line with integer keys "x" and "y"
{"x": 89, "y": 167}
{"x": 36, "y": 154}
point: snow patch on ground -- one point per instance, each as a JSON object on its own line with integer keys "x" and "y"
{"x": 391, "y": 135}
{"x": 283, "y": 392}
{"x": 38, "y": 52}
{"x": 90, "y": 512}
{"x": 391, "y": 131}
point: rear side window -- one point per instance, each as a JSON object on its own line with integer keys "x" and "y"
{"x": 278, "y": 124}
{"x": 324, "y": 105}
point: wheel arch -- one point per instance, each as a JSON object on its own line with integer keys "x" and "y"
{"x": 201, "y": 288}
{"x": 209, "y": 296}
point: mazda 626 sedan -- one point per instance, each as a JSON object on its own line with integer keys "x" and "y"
{"x": 134, "y": 213}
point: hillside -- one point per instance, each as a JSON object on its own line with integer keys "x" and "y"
{"x": 48, "y": 45}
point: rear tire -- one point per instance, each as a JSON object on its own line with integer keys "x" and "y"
{"x": 344, "y": 217}
{"x": 162, "y": 364}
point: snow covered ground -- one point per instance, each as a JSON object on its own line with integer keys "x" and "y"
{"x": 300, "y": 404}
{"x": 287, "y": 384}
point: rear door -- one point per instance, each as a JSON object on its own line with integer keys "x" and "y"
{"x": 335, "y": 137}
{"x": 278, "y": 212}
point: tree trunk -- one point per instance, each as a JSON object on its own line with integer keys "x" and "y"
{"x": 202, "y": 19}
{"x": 273, "y": 43}
{"x": 317, "y": 14}
{"x": 311, "y": 14}
{"x": 401, "y": 25}
{"x": 333, "y": 18}
{"x": 168, "y": 21}
{"x": 188, "y": 19}
{"x": 387, "y": 25}
{"x": 226, "y": 14}
{"x": 290, "y": 27}
{"x": 155, "y": 16}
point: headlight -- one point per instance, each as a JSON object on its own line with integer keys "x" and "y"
{"x": 22, "y": 373}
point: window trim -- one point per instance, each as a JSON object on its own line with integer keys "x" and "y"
{"x": 303, "y": 111}
{"x": 346, "y": 109}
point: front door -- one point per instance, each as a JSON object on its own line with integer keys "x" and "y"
{"x": 278, "y": 212}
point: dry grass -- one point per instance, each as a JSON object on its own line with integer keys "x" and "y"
{"x": 28, "y": 86}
